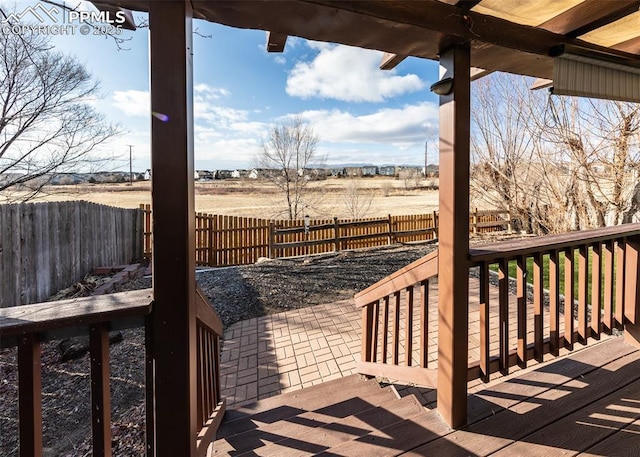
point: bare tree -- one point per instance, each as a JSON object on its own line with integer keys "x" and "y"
{"x": 47, "y": 123}
{"x": 288, "y": 151}
{"x": 555, "y": 163}
{"x": 357, "y": 201}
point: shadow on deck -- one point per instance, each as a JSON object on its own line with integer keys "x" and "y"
{"x": 585, "y": 404}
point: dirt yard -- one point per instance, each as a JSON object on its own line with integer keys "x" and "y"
{"x": 251, "y": 198}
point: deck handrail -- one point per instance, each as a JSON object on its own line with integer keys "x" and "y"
{"x": 72, "y": 314}
{"x": 211, "y": 406}
{"x": 205, "y": 313}
{"x": 420, "y": 270}
{"x": 528, "y": 246}
{"x": 382, "y": 313}
{"x": 27, "y": 326}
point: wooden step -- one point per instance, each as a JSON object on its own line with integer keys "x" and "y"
{"x": 394, "y": 439}
{"x": 298, "y": 426}
{"x": 294, "y": 403}
{"x": 337, "y": 432}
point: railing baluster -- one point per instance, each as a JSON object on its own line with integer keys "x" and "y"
{"x": 503, "y": 313}
{"x": 211, "y": 374}
{"x": 583, "y": 267}
{"x": 608, "y": 286}
{"x": 485, "y": 358}
{"x": 30, "y": 396}
{"x": 631, "y": 282}
{"x": 396, "y": 328}
{"x": 521, "y": 272}
{"x": 424, "y": 324}
{"x": 596, "y": 299}
{"x": 538, "y": 307}
{"x": 554, "y": 303}
{"x": 385, "y": 330}
{"x": 100, "y": 390}
{"x": 568, "y": 298}
{"x": 374, "y": 343}
{"x": 408, "y": 330}
{"x": 201, "y": 384}
{"x": 367, "y": 325}
{"x": 619, "y": 305}
{"x": 216, "y": 374}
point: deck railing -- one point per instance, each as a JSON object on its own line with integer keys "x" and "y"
{"x": 583, "y": 284}
{"x": 211, "y": 405}
{"x": 28, "y": 326}
{"x": 389, "y": 323}
{"x": 586, "y": 281}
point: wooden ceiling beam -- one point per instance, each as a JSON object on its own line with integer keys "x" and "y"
{"x": 590, "y": 15}
{"x": 461, "y": 25}
{"x": 632, "y": 46}
{"x": 390, "y": 61}
{"x": 276, "y": 41}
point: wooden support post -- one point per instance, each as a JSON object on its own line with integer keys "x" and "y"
{"x": 100, "y": 390}
{"x": 453, "y": 263}
{"x": 173, "y": 319}
{"x": 30, "y": 396}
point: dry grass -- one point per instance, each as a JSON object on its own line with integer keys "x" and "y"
{"x": 262, "y": 199}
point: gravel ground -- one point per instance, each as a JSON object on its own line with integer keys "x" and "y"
{"x": 237, "y": 293}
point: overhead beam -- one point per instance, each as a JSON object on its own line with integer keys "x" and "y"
{"x": 589, "y": 15}
{"x": 461, "y": 25}
{"x": 390, "y": 61}
{"x": 276, "y": 41}
{"x": 632, "y": 46}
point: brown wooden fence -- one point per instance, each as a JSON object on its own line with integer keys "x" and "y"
{"x": 45, "y": 247}
{"x": 231, "y": 240}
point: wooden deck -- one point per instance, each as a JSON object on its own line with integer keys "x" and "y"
{"x": 586, "y": 404}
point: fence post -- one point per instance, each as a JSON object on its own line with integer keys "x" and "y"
{"x": 336, "y": 234}
{"x": 435, "y": 224}
{"x": 211, "y": 227}
{"x": 272, "y": 240}
{"x": 391, "y": 236}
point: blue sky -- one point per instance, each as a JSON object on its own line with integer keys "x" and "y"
{"x": 361, "y": 114}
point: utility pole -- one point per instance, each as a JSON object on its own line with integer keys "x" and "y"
{"x": 130, "y": 166}
{"x": 426, "y": 158}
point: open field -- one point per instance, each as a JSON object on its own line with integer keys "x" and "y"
{"x": 262, "y": 199}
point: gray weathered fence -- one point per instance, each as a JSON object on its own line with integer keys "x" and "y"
{"x": 45, "y": 247}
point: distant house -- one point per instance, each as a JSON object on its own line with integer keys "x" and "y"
{"x": 205, "y": 175}
{"x": 337, "y": 172}
{"x": 224, "y": 174}
{"x": 353, "y": 172}
{"x": 236, "y": 174}
{"x": 387, "y": 170}
{"x": 369, "y": 171}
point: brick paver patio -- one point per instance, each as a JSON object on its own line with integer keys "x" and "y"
{"x": 266, "y": 356}
{"x": 270, "y": 355}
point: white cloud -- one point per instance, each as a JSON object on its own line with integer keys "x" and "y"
{"x": 132, "y": 102}
{"x": 207, "y": 92}
{"x": 400, "y": 127}
{"x": 349, "y": 74}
